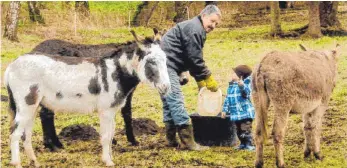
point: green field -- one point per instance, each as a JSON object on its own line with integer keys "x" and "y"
{"x": 224, "y": 49}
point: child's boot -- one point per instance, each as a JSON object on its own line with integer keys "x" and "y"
{"x": 241, "y": 136}
{"x": 234, "y": 134}
{"x": 248, "y": 137}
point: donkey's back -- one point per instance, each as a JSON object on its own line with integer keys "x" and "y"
{"x": 302, "y": 79}
{"x": 61, "y": 86}
{"x": 298, "y": 81}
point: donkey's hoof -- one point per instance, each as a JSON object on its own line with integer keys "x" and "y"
{"x": 16, "y": 164}
{"x": 109, "y": 163}
{"x": 114, "y": 142}
{"x": 36, "y": 163}
{"x": 307, "y": 153}
{"x": 318, "y": 156}
{"x": 280, "y": 164}
{"x": 135, "y": 143}
{"x": 259, "y": 164}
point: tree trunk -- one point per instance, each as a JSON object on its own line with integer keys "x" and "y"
{"x": 328, "y": 14}
{"x": 181, "y": 11}
{"x": 140, "y": 12}
{"x": 275, "y": 19}
{"x": 82, "y": 8}
{"x": 10, "y": 31}
{"x": 34, "y": 12}
{"x": 65, "y": 5}
{"x": 314, "y": 29}
{"x": 211, "y": 3}
{"x": 151, "y": 12}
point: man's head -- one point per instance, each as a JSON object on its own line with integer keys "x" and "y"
{"x": 211, "y": 17}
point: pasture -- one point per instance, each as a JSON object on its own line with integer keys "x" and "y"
{"x": 225, "y": 48}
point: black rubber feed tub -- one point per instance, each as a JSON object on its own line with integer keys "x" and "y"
{"x": 212, "y": 131}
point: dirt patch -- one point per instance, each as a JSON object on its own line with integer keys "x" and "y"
{"x": 79, "y": 132}
{"x": 4, "y": 98}
{"x": 144, "y": 126}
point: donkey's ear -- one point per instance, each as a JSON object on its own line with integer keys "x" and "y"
{"x": 137, "y": 38}
{"x": 157, "y": 36}
{"x": 155, "y": 30}
{"x": 336, "y": 51}
{"x": 134, "y": 35}
{"x": 304, "y": 48}
{"x": 163, "y": 32}
{"x": 138, "y": 42}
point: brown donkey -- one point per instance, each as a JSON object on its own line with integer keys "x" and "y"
{"x": 299, "y": 81}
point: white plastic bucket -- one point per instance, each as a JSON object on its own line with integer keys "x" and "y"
{"x": 209, "y": 103}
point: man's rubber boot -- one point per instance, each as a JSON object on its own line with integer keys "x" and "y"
{"x": 171, "y": 130}
{"x": 185, "y": 133}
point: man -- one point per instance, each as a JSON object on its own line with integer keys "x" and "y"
{"x": 183, "y": 46}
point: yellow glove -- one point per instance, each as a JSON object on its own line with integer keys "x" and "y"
{"x": 211, "y": 84}
{"x": 201, "y": 84}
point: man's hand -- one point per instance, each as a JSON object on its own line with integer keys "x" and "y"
{"x": 201, "y": 84}
{"x": 184, "y": 78}
{"x": 211, "y": 84}
{"x": 223, "y": 115}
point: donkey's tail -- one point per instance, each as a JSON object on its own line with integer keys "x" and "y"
{"x": 12, "y": 104}
{"x": 261, "y": 102}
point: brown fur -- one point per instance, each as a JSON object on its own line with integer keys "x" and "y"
{"x": 31, "y": 98}
{"x": 298, "y": 81}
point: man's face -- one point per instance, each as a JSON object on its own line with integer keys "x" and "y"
{"x": 210, "y": 21}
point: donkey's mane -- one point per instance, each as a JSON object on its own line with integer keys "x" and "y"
{"x": 126, "y": 47}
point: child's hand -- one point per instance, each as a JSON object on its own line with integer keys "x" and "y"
{"x": 223, "y": 115}
{"x": 240, "y": 83}
{"x": 234, "y": 77}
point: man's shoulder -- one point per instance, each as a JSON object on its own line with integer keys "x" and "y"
{"x": 191, "y": 26}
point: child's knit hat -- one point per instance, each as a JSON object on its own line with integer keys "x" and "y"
{"x": 243, "y": 71}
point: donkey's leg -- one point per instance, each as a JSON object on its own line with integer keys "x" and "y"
{"x": 260, "y": 133}
{"x": 107, "y": 127}
{"x": 281, "y": 115}
{"x": 126, "y": 113}
{"x": 24, "y": 117}
{"x": 27, "y": 140}
{"x": 312, "y": 131}
{"x": 50, "y": 138}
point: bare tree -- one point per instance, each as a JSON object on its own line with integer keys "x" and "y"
{"x": 314, "y": 29}
{"x": 82, "y": 8}
{"x": 34, "y": 12}
{"x": 181, "y": 11}
{"x": 275, "y": 19}
{"x": 139, "y": 13}
{"x": 151, "y": 12}
{"x": 11, "y": 22}
{"x": 328, "y": 14}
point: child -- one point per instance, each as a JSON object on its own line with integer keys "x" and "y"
{"x": 238, "y": 104}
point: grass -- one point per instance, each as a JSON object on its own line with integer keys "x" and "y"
{"x": 223, "y": 50}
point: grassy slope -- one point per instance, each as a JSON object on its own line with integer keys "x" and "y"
{"x": 223, "y": 50}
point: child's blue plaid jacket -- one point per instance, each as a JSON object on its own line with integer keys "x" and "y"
{"x": 237, "y": 102}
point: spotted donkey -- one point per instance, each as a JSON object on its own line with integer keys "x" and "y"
{"x": 67, "y": 49}
{"x": 81, "y": 85}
